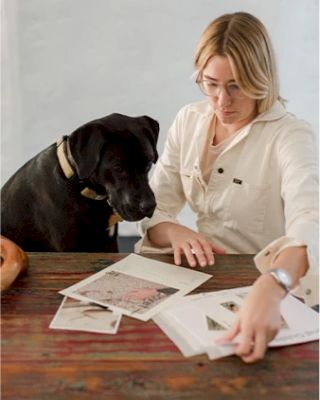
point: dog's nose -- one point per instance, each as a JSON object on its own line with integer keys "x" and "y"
{"x": 147, "y": 209}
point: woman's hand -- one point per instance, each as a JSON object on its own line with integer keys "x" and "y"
{"x": 258, "y": 321}
{"x": 196, "y": 247}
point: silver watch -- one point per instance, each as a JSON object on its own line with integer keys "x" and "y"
{"x": 282, "y": 277}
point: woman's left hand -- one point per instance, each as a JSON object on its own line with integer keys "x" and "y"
{"x": 258, "y": 321}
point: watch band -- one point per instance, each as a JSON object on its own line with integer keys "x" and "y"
{"x": 282, "y": 277}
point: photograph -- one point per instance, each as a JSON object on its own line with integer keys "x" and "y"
{"x": 214, "y": 325}
{"x": 85, "y": 316}
{"x": 231, "y": 306}
{"x": 124, "y": 291}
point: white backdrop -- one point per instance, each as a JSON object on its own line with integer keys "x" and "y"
{"x": 65, "y": 62}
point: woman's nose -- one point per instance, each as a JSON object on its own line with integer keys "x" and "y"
{"x": 223, "y": 97}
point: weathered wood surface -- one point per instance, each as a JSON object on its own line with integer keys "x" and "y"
{"x": 139, "y": 362}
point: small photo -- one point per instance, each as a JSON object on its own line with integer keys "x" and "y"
{"x": 85, "y": 316}
{"x": 214, "y": 325}
{"x": 124, "y": 291}
{"x": 231, "y": 306}
{"x": 284, "y": 324}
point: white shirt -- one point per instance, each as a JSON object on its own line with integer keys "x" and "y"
{"x": 262, "y": 195}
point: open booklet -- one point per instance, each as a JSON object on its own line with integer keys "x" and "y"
{"x": 197, "y": 321}
{"x": 137, "y": 286}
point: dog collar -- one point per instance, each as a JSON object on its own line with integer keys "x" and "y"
{"x": 63, "y": 159}
{"x": 64, "y": 156}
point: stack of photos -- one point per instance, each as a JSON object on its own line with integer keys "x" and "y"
{"x": 199, "y": 320}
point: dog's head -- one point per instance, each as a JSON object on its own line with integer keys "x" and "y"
{"x": 113, "y": 156}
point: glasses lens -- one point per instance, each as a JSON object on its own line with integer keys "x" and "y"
{"x": 210, "y": 88}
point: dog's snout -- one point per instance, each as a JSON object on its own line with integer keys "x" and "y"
{"x": 147, "y": 208}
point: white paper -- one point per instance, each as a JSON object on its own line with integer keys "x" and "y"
{"x": 137, "y": 286}
{"x": 198, "y": 320}
{"x": 83, "y": 316}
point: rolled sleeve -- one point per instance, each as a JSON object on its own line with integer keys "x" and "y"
{"x": 299, "y": 192}
{"x": 308, "y": 287}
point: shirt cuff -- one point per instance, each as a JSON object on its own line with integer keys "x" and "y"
{"x": 308, "y": 287}
{"x": 145, "y": 246}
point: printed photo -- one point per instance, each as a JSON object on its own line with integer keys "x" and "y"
{"x": 84, "y": 316}
{"x": 284, "y": 324}
{"x": 214, "y": 325}
{"x": 231, "y": 306}
{"x": 125, "y": 291}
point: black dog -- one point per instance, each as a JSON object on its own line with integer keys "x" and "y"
{"x": 69, "y": 196}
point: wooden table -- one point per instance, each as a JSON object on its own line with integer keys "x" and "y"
{"x": 139, "y": 362}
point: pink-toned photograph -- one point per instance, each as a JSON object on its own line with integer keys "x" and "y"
{"x": 127, "y": 292}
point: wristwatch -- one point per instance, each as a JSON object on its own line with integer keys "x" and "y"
{"x": 282, "y": 277}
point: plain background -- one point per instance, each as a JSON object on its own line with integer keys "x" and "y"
{"x": 65, "y": 62}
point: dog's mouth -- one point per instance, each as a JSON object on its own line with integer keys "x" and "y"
{"x": 132, "y": 213}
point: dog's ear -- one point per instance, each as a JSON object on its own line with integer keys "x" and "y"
{"x": 86, "y": 144}
{"x": 152, "y": 131}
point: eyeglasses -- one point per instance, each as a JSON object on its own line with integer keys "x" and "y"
{"x": 210, "y": 88}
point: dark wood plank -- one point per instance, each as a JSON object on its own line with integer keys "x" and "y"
{"x": 139, "y": 362}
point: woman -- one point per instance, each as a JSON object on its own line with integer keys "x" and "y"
{"x": 247, "y": 169}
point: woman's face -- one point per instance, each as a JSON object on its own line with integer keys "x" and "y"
{"x": 231, "y": 106}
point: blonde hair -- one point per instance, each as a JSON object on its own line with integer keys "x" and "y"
{"x": 245, "y": 41}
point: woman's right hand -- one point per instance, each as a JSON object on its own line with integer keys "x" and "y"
{"x": 195, "y": 246}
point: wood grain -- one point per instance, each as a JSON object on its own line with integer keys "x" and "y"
{"x": 139, "y": 362}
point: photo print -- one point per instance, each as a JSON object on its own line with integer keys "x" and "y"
{"x": 125, "y": 291}
{"x": 231, "y": 306}
{"x": 214, "y": 325}
{"x": 85, "y": 316}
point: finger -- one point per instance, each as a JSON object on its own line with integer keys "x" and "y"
{"x": 230, "y": 334}
{"x": 207, "y": 248}
{"x": 177, "y": 256}
{"x": 246, "y": 344}
{"x": 189, "y": 256}
{"x": 258, "y": 350}
{"x": 217, "y": 249}
{"x": 199, "y": 253}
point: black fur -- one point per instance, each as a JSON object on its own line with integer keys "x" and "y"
{"x": 42, "y": 210}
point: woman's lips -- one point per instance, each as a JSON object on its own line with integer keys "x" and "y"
{"x": 226, "y": 113}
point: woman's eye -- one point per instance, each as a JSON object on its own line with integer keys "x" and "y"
{"x": 211, "y": 84}
{"x": 233, "y": 88}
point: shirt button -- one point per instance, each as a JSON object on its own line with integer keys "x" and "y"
{"x": 308, "y": 291}
{"x": 220, "y": 170}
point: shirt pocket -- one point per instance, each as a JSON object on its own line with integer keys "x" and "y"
{"x": 246, "y": 206}
{"x": 193, "y": 190}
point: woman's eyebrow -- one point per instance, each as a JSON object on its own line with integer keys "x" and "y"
{"x": 217, "y": 80}
{"x": 210, "y": 78}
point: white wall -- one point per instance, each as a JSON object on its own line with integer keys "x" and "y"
{"x": 65, "y": 62}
